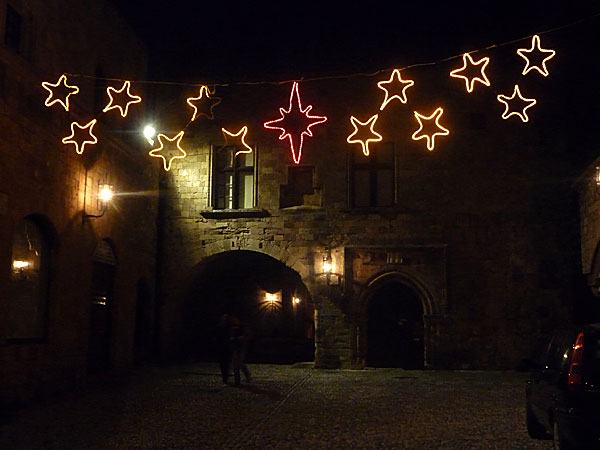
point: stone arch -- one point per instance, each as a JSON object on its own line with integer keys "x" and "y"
{"x": 237, "y": 282}
{"x": 430, "y": 307}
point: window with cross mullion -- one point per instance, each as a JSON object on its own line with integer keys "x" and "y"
{"x": 233, "y": 178}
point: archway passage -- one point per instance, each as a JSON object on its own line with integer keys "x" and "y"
{"x": 267, "y": 296}
{"x": 395, "y": 328}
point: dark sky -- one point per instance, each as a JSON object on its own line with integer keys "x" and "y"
{"x": 257, "y": 41}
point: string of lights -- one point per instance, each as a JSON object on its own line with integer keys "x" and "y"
{"x": 347, "y": 75}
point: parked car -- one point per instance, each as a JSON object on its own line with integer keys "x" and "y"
{"x": 563, "y": 391}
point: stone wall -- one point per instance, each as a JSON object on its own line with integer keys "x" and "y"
{"x": 477, "y": 195}
{"x": 42, "y": 178}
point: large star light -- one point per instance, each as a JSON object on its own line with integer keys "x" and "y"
{"x": 397, "y": 86}
{"x": 172, "y": 149}
{"x": 465, "y": 72}
{"x": 431, "y": 120}
{"x": 536, "y": 52}
{"x": 516, "y": 104}
{"x": 365, "y": 133}
{"x": 78, "y": 139}
{"x": 123, "y": 96}
{"x": 295, "y": 123}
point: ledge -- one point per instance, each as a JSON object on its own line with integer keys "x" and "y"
{"x": 234, "y": 213}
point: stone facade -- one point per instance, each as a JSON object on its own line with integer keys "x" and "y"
{"x": 468, "y": 230}
{"x": 46, "y": 188}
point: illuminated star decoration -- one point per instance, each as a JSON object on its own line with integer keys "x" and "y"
{"x": 55, "y": 90}
{"x": 536, "y": 52}
{"x": 528, "y": 102}
{"x": 429, "y": 119}
{"x": 80, "y": 143}
{"x": 295, "y": 123}
{"x": 470, "y": 81}
{"x": 395, "y": 81}
{"x": 123, "y": 93}
{"x": 203, "y": 104}
{"x": 364, "y": 141}
{"x": 239, "y": 140}
{"x": 173, "y": 151}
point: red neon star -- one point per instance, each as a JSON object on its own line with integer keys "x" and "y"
{"x": 295, "y": 123}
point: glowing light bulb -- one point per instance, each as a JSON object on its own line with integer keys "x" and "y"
{"x": 106, "y": 193}
{"x": 149, "y": 133}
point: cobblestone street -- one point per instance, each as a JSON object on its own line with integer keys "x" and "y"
{"x": 285, "y": 407}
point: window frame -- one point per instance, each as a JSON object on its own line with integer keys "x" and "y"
{"x": 355, "y": 163}
{"x": 235, "y": 171}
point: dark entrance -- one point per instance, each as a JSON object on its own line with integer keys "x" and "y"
{"x": 101, "y": 305}
{"x": 267, "y": 296}
{"x": 395, "y": 328}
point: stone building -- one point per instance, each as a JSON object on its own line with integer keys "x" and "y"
{"x": 76, "y": 273}
{"x": 462, "y": 256}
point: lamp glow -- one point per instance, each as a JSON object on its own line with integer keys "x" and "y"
{"x": 106, "y": 193}
{"x": 430, "y": 137}
{"x": 19, "y": 265}
{"x": 149, "y": 133}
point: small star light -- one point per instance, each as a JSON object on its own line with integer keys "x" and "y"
{"x": 528, "y": 102}
{"x": 172, "y": 150}
{"x": 470, "y": 81}
{"x": 537, "y": 53}
{"x": 295, "y": 123}
{"x": 396, "y": 84}
{"x": 203, "y": 104}
{"x": 238, "y": 139}
{"x": 79, "y": 143}
{"x": 364, "y": 141}
{"x": 123, "y": 94}
{"x": 429, "y": 119}
{"x": 61, "y": 90}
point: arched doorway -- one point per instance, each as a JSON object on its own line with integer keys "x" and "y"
{"x": 104, "y": 267}
{"x": 395, "y": 329}
{"x": 269, "y": 298}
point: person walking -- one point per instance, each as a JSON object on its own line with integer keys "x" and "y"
{"x": 223, "y": 345}
{"x": 239, "y": 347}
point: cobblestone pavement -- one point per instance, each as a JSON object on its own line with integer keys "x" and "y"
{"x": 285, "y": 407}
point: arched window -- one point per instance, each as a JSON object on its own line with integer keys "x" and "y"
{"x": 28, "y": 284}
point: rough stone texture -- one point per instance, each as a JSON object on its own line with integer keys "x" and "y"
{"x": 285, "y": 407}
{"x": 39, "y": 175}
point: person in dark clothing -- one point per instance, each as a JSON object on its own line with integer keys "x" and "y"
{"x": 239, "y": 346}
{"x": 223, "y": 345}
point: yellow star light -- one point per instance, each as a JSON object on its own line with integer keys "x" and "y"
{"x": 536, "y": 52}
{"x": 239, "y": 137}
{"x": 123, "y": 92}
{"x": 397, "y": 82}
{"x": 429, "y": 119}
{"x": 205, "y": 101}
{"x": 470, "y": 82}
{"x": 79, "y": 143}
{"x": 364, "y": 142}
{"x": 529, "y": 102}
{"x": 61, "y": 85}
{"x": 173, "y": 151}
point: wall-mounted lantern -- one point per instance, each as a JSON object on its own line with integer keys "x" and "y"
{"x": 105, "y": 196}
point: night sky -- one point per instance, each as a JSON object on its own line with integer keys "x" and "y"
{"x": 257, "y": 41}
